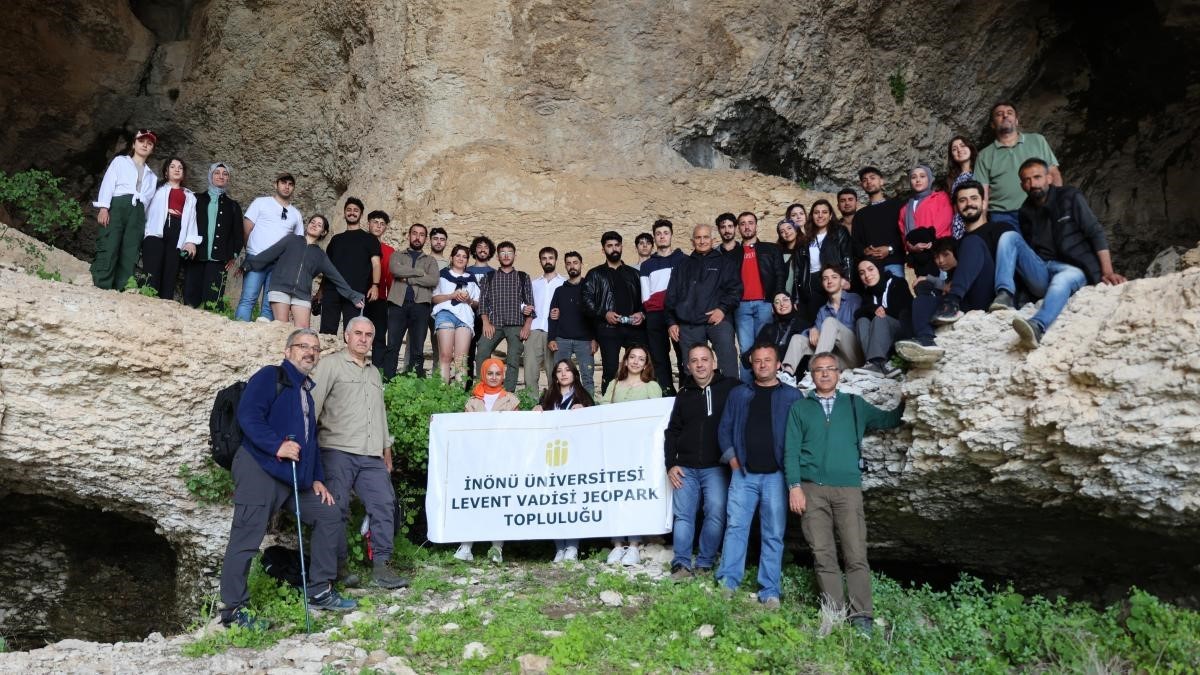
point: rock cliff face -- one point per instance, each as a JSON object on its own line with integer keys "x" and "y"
{"x": 540, "y": 118}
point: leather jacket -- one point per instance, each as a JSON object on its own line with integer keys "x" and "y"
{"x": 598, "y": 290}
{"x": 771, "y": 270}
{"x": 837, "y": 249}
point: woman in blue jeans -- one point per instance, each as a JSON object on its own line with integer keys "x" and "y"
{"x": 454, "y": 301}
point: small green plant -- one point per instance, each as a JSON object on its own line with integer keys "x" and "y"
{"x": 3, "y": 644}
{"x": 209, "y": 483}
{"x": 36, "y": 197}
{"x": 898, "y": 85}
{"x": 147, "y": 290}
{"x": 47, "y": 275}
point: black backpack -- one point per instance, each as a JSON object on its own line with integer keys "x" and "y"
{"x": 283, "y": 564}
{"x": 225, "y": 434}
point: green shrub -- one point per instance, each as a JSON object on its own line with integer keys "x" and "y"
{"x": 36, "y": 197}
{"x": 898, "y": 85}
{"x": 209, "y": 483}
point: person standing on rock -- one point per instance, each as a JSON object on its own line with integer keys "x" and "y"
{"x": 702, "y": 294}
{"x": 538, "y": 355}
{"x": 358, "y": 257}
{"x": 569, "y": 331}
{"x": 482, "y": 250}
{"x": 693, "y": 458}
{"x": 998, "y": 164}
{"x": 726, "y": 225}
{"x": 414, "y": 276}
{"x": 438, "y": 240}
{"x": 612, "y": 296}
{"x": 506, "y": 307}
{"x": 875, "y": 236}
{"x": 376, "y": 311}
{"x": 219, "y": 224}
{"x": 125, "y": 194}
{"x": 268, "y": 220}
{"x": 1061, "y": 248}
{"x": 278, "y": 419}
{"x": 655, "y": 274}
{"x": 763, "y": 276}
{"x": 823, "y": 461}
{"x": 170, "y": 229}
{"x": 751, "y": 436}
{"x": 356, "y": 448}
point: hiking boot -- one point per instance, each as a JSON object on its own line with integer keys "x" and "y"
{"x": 241, "y": 618}
{"x": 948, "y": 313}
{"x": 382, "y": 577}
{"x": 618, "y": 552}
{"x": 347, "y": 578}
{"x": 1003, "y": 300}
{"x": 918, "y": 353}
{"x": 873, "y": 369}
{"x": 703, "y": 570}
{"x": 329, "y": 599}
{"x": 464, "y": 553}
{"x": 681, "y": 573}
{"x": 772, "y": 603}
{"x": 863, "y": 624}
{"x": 1030, "y": 332}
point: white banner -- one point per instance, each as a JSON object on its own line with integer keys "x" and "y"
{"x": 593, "y": 472}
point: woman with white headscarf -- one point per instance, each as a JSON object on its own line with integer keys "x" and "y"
{"x": 219, "y": 223}
{"x": 924, "y": 218}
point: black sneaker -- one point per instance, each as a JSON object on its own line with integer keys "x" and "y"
{"x": 681, "y": 573}
{"x": 1030, "y": 332}
{"x": 241, "y": 618}
{"x": 1004, "y": 300}
{"x": 383, "y": 577}
{"x": 331, "y": 600}
{"x": 347, "y": 578}
{"x": 948, "y": 313}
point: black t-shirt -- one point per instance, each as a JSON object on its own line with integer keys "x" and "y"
{"x": 990, "y": 233}
{"x": 351, "y": 253}
{"x": 623, "y": 303}
{"x": 879, "y": 225}
{"x": 760, "y": 433}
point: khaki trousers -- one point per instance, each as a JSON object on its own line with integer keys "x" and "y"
{"x": 838, "y": 511}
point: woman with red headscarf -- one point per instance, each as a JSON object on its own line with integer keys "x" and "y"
{"x": 489, "y": 396}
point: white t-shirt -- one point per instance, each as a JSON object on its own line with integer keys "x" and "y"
{"x": 814, "y": 253}
{"x": 543, "y": 293}
{"x": 270, "y": 225}
{"x": 462, "y": 310}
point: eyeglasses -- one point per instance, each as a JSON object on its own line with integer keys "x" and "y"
{"x": 307, "y": 348}
{"x": 826, "y": 369}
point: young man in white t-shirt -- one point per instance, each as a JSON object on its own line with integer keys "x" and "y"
{"x": 269, "y": 219}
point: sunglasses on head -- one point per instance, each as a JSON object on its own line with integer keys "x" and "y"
{"x": 283, "y": 216}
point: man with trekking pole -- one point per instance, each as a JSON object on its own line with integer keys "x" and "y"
{"x": 278, "y": 466}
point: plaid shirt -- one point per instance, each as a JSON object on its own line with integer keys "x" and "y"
{"x": 827, "y": 403}
{"x": 501, "y": 295}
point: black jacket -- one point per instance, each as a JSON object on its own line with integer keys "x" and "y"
{"x": 598, "y": 289}
{"x": 894, "y": 297}
{"x": 1074, "y": 230}
{"x": 837, "y": 249}
{"x": 701, "y": 283}
{"x": 227, "y": 241}
{"x": 691, "y": 436}
{"x": 780, "y": 332}
{"x": 771, "y": 271}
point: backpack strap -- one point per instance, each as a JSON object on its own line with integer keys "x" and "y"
{"x": 862, "y": 465}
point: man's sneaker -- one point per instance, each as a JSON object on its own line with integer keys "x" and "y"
{"x": 772, "y": 603}
{"x": 681, "y": 573}
{"x": 382, "y": 577}
{"x": 464, "y": 553}
{"x": 863, "y": 624}
{"x": 496, "y": 554}
{"x": 703, "y": 570}
{"x": 948, "y": 313}
{"x": 919, "y": 354}
{"x": 262, "y": 319}
{"x": 727, "y": 592}
{"x": 872, "y": 369}
{"x": 570, "y": 554}
{"x": 618, "y": 552}
{"x": 787, "y": 378}
{"x": 806, "y": 384}
{"x": 330, "y": 599}
{"x": 345, "y": 577}
{"x": 1003, "y": 300}
{"x": 559, "y": 555}
{"x": 241, "y": 618}
{"x": 633, "y": 556}
{"x": 891, "y": 370}
{"x": 1030, "y": 332}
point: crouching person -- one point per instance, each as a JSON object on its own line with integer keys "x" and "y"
{"x": 279, "y": 428}
{"x": 356, "y": 449}
{"x": 824, "y": 432}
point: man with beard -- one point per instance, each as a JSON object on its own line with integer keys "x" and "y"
{"x": 1061, "y": 248}
{"x": 612, "y": 296}
{"x": 537, "y": 353}
{"x": 482, "y": 249}
{"x": 358, "y": 257}
{"x": 875, "y": 235}
{"x": 506, "y": 307}
{"x": 997, "y": 165}
{"x": 727, "y": 229}
{"x": 570, "y": 332}
{"x": 847, "y": 203}
{"x": 438, "y": 238}
{"x": 414, "y": 276}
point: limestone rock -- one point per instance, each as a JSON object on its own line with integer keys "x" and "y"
{"x": 475, "y": 650}
{"x": 611, "y": 598}
{"x": 533, "y": 664}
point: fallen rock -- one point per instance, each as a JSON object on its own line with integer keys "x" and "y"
{"x": 611, "y": 598}
{"x": 705, "y": 631}
{"x": 475, "y": 650}
{"x": 532, "y": 664}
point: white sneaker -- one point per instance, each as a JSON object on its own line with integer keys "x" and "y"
{"x": 806, "y": 383}
{"x": 262, "y": 319}
{"x": 633, "y": 556}
{"x": 618, "y": 552}
{"x": 464, "y": 552}
{"x": 559, "y": 555}
{"x": 496, "y": 554}
{"x": 787, "y": 378}
{"x": 570, "y": 554}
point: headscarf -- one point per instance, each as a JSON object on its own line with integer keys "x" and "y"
{"x": 213, "y": 190}
{"x": 911, "y": 213}
{"x": 482, "y": 388}
{"x": 214, "y": 201}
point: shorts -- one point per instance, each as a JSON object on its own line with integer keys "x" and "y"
{"x": 285, "y": 299}
{"x": 446, "y": 320}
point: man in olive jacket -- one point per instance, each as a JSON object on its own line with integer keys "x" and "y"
{"x": 821, "y": 461}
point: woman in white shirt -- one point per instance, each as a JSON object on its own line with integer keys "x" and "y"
{"x": 125, "y": 192}
{"x": 170, "y": 229}
{"x": 454, "y": 301}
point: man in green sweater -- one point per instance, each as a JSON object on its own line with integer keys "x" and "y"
{"x": 822, "y": 464}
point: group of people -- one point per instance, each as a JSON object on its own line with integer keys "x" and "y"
{"x": 760, "y": 332}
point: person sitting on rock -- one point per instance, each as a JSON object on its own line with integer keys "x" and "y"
{"x": 834, "y": 327}
{"x": 884, "y": 317}
{"x": 969, "y": 265}
{"x": 1060, "y": 249}
{"x": 925, "y": 217}
{"x": 565, "y": 392}
{"x": 279, "y": 445}
{"x": 788, "y": 323}
{"x": 295, "y": 261}
{"x": 488, "y": 396}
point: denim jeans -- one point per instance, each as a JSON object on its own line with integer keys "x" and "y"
{"x": 711, "y": 484}
{"x": 582, "y": 351}
{"x": 253, "y": 285}
{"x": 748, "y": 319}
{"x": 767, "y": 493}
{"x": 1053, "y": 281}
{"x": 895, "y": 269}
{"x": 1010, "y": 218}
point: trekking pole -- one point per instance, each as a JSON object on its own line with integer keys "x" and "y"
{"x": 300, "y": 536}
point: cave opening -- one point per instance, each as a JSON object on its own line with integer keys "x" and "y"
{"x": 69, "y": 571}
{"x": 751, "y": 135}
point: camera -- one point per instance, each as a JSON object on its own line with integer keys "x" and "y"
{"x": 624, "y": 320}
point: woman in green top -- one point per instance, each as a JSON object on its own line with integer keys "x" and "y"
{"x": 635, "y": 382}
